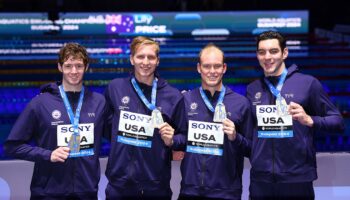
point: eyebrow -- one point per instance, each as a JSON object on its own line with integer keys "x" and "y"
{"x": 267, "y": 49}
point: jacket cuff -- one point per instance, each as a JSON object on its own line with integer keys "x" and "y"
{"x": 238, "y": 139}
{"x": 317, "y": 123}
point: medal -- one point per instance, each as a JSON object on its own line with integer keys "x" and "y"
{"x": 219, "y": 113}
{"x": 74, "y": 141}
{"x": 282, "y": 107}
{"x": 281, "y": 104}
{"x": 156, "y": 118}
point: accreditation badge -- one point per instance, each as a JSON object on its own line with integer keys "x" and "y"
{"x": 157, "y": 118}
{"x": 135, "y": 129}
{"x": 219, "y": 113}
{"x": 205, "y": 138}
{"x": 271, "y": 124}
{"x": 79, "y": 145}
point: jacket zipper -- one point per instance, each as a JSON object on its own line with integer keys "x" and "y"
{"x": 203, "y": 171}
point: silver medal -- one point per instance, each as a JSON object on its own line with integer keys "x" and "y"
{"x": 74, "y": 143}
{"x": 219, "y": 113}
{"x": 156, "y": 118}
{"x": 282, "y": 107}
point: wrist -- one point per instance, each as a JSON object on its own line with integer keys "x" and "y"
{"x": 310, "y": 121}
{"x": 232, "y": 136}
{"x": 170, "y": 143}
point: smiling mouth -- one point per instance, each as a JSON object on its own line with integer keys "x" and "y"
{"x": 268, "y": 65}
{"x": 74, "y": 78}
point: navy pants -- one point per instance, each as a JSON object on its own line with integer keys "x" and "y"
{"x": 186, "y": 197}
{"x": 132, "y": 192}
{"x": 92, "y": 196}
{"x": 281, "y": 191}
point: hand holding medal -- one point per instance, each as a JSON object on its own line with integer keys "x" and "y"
{"x": 60, "y": 154}
{"x": 166, "y": 133}
{"x": 298, "y": 113}
{"x": 229, "y": 129}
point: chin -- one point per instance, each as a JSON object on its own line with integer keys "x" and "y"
{"x": 75, "y": 83}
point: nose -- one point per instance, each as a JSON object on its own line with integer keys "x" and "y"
{"x": 267, "y": 55}
{"x": 146, "y": 60}
{"x": 74, "y": 69}
{"x": 212, "y": 69}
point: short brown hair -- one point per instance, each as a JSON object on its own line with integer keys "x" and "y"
{"x": 142, "y": 40}
{"x": 268, "y": 35}
{"x": 75, "y": 50}
{"x": 210, "y": 46}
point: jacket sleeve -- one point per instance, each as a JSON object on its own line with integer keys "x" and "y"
{"x": 108, "y": 115}
{"x": 324, "y": 113}
{"x": 245, "y": 130}
{"x": 179, "y": 120}
{"x": 24, "y": 130}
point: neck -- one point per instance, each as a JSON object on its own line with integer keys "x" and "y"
{"x": 212, "y": 89}
{"x": 145, "y": 80}
{"x": 278, "y": 72}
{"x": 72, "y": 88}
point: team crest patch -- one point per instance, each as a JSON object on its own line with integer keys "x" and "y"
{"x": 56, "y": 114}
{"x": 193, "y": 106}
{"x": 125, "y": 100}
{"x": 258, "y": 95}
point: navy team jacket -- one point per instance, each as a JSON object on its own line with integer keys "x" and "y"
{"x": 218, "y": 176}
{"x": 39, "y": 120}
{"x": 146, "y": 169}
{"x": 293, "y": 159}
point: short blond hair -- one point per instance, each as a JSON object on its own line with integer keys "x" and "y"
{"x": 207, "y": 48}
{"x": 140, "y": 41}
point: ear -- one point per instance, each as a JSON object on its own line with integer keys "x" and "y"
{"x": 131, "y": 60}
{"x": 59, "y": 67}
{"x": 225, "y": 67}
{"x": 158, "y": 61}
{"x": 285, "y": 53}
{"x": 87, "y": 67}
{"x": 198, "y": 68}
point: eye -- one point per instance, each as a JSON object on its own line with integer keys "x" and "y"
{"x": 217, "y": 66}
{"x": 140, "y": 56}
{"x": 274, "y": 51}
{"x": 206, "y": 66}
{"x": 261, "y": 52}
{"x": 80, "y": 66}
{"x": 152, "y": 57}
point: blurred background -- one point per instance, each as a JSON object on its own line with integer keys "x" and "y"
{"x": 32, "y": 31}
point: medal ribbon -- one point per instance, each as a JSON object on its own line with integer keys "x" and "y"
{"x": 276, "y": 91}
{"x": 139, "y": 92}
{"x": 73, "y": 119}
{"x": 206, "y": 100}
